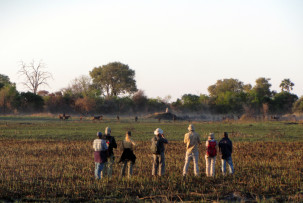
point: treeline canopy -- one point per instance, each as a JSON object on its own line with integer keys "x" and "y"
{"x": 112, "y": 88}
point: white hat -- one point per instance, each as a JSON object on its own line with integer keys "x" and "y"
{"x": 191, "y": 127}
{"x": 158, "y": 131}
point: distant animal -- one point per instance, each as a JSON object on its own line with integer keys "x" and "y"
{"x": 97, "y": 118}
{"x": 136, "y": 119}
{"x": 275, "y": 118}
{"x": 118, "y": 118}
{"x": 64, "y": 117}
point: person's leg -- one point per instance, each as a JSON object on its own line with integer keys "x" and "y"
{"x": 130, "y": 169}
{"x": 110, "y": 165}
{"x": 207, "y": 169}
{"x": 98, "y": 169}
{"x": 196, "y": 166}
{"x": 213, "y": 164}
{"x": 123, "y": 168}
{"x": 155, "y": 164}
{"x": 162, "y": 164}
{"x": 187, "y": 160}
{"x": 104, "y": 170}
{"x": 231, "y": 166}
{"x": 223, "y": 162}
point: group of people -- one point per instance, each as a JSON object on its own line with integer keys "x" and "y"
{"x": 104, "y": 156}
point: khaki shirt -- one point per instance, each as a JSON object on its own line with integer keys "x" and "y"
{"x": 192, "y": 141}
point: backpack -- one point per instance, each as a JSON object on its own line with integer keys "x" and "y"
{"x": 211, "y": 149}
{"x": 155, "y": 147}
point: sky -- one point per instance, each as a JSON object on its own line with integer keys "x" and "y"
{"x": 175, "y": 47}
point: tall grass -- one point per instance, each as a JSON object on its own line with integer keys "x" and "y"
{"x": 52, "y": 160}
{"x": 63, "y": 170}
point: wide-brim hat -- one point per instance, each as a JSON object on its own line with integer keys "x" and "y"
{"x": 158, "y": 131}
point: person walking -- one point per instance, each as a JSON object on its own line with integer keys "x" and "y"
{"x": 128, "y": 156}
{"x": 192, "y": 141}
{"x": 111, "y": 143}
{"x": 100, "y": 154}
{"x": 226, "y": 149}
{"x": 211, "y": 154}
{"x": 158, "y": 149}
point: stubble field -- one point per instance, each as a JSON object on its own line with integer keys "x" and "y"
{"x": 49, "y": 160}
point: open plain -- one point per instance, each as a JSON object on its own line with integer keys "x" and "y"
{"x": 45, "y": 159}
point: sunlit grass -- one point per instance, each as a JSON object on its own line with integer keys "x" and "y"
{"x": 64, "y": 170}
{"x": 53, "y": 160}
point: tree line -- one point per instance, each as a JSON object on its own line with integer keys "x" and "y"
{"x": 112, "y": 89}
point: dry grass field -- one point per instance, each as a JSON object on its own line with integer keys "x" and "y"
{"x": 41, "y": 169}
{"x": 63, "y": 170}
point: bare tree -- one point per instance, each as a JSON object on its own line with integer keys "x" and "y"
{"x": 34, "y": 75}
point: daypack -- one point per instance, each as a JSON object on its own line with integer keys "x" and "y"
{"x": 155, "y": 147}
{"x": 211, "y": 149}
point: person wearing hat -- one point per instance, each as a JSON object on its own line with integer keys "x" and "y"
{"x": 100, "y": 154}
{"x": 226, "y": 149}
{"x": 111, "y": 143}
{"x": 158, "y": 142}
{"x": 211, "y": 154}
{"x": 192, "y": 141}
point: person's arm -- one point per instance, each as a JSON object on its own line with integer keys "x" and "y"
{"x": 133, "y": 143}
{"x": 94, "y": 145}
{"x": 164, "y": 140}
{"x": 206, "y": 144}
{"x": 185, "y": 138}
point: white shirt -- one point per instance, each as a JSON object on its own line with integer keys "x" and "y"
{"x": 99, "y": 145}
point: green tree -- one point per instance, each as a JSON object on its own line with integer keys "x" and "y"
{"x": 114, "y": 79}
{"x": 261, "y": 92}
{"x": 155, "y": 105}
{"x": 286, "y": 85}
{"x": 30, "y": 102}
{"x": 8, "y": 98}
{"x": 191, "y": 102}
{"x": 225, "y": 85}
{"x": 228, "y": 95}
{"x": 283, "y": 102}
{"x": 81, "y": 87}
{"x": 4, "y": 80}
{"x": 298, "y": 105}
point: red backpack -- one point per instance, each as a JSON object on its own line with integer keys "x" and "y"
{"x": 211, "y": 149}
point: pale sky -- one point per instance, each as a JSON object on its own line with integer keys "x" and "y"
{"x": 175, "y": 47}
